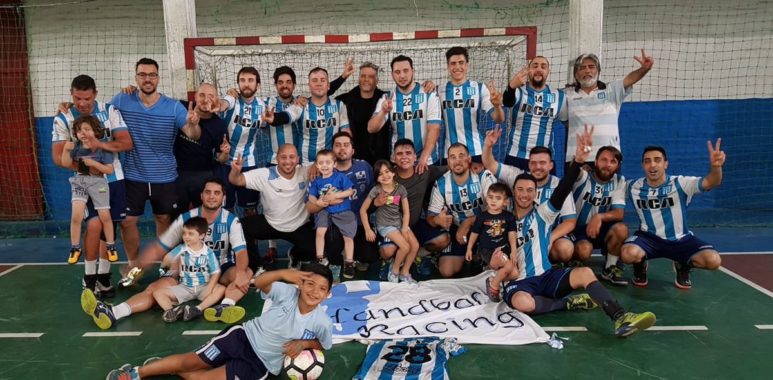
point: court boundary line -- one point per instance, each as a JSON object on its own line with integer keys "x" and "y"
{"x": 746, "y": 281}
{"x": 15, "y": 267}
{"x": 200, "y": 332}
{"x": 20, "y": 335}
{"x": 678, "y": 328}
{"x": 110, "y": 334}
{"x": 764, "y": 327}
{"x": 565, "y": 328}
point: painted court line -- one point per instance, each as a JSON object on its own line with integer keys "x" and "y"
{"x": 746, "y": 281}
{"x": 200, "y": 332}
{"x": 111, "y": 334}
{"x": 564, "y": 328}
{"x": 10, "y": 270}
{"x": 678, "y": 328}
{"x": 20, "y": 335}
{"x": 764, "y": 327}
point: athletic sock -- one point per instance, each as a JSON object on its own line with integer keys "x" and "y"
{"x": 611, "y": 260}
{"x": 601, "y": 296}
{"x": 90, "y": 267}
{"x": 104, "y": 266}
{"x": 228, "y": 302}
{"x": 91, "y": 281}
{"x": 272, "y": 243}
{"x": 122, "y": 310}
{"x": 75, "y": 246}
{"x": 544, "y": 305}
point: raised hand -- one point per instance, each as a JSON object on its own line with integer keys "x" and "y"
{"x": 237, "y": 164}
{"x": 428, "y": 86}
{"x": 584, "y": 144}
{"x": 520, "y": 78}
{"x": 388, "y": 104}
{"x": 232, "y": 92}
{"x": 492, "y": 136}
{"x": 88, "y": 161}
{"x": 268, "y": 115}
{"x": 225, "y": 146}
{"x": 301, "y": 101}
{"x": 496, "y": 96}
{"x": 193, "y": 116}
{"x": 69, "y": 145}
{"x": 348, "y": 68}
{"x": 645, "y": 61}
{"x": 130, "y": 89}
{"x": 296, "y": 277}
{"x": 716, "y": 156}
{"x": 443, "y": 219}
{"x": 63, "y": 108}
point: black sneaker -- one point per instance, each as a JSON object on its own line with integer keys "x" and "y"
{"x": 640, "y": 274}
{"x": 682, "y": 279}
{"x": 348, "y": 270}
{"x": 191, "y": 312}
{"x": 323, "y": 261}
{"x": 614, "y": 276}
{"x": 173, "y": 314}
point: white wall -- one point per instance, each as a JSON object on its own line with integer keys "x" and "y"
{"x": 703, "y": 49}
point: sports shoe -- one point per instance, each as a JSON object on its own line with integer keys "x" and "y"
{"x": 349, "y": 270}
{"x": 383, "y": 272}
{"x": 100, "y": 312}
{"x": 191, "y": 312}
{"x": 125, "y": 372}
{"x": 362, "y": 267}
{"x": 682, "y": 278}
{"x": 131, "y": 278}
{"x": 493, "y": 294}
{"x": 224, "y": 313}
{"x": 103, "y": 291}
{"x": 425, "y": 266}
{"x": 75, "y": 254}
{"x": 631, "y": 323}
{"x": 614, "y": 276}
{"x": 408, "y": 279}
{"x": 393, "y": 277}
{"x": 336, "y": 269}
{"x": 270, "y": 256}
{"x": 640, "y": 274}
{"x": 112, "y": 253}
{"x": 173, "y": 314}
{"x": 323, "y": 261}
{"x": 580, "y": 302}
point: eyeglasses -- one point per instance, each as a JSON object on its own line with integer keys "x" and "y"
{"x": 147, "y": 75}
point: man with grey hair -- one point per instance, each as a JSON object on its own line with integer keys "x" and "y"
{"x": 593, "y": 102}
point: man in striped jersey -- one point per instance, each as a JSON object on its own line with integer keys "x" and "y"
{"x": 412, "y": 112}
{"x": 540, "y": 165}
{"x": 599, "y": 198}
{"x": 117, "y": 139}
{"x": 593, "y": 102}
{"x": 536, "y": 108}
{"x": 542, "y": 288}
{"x": 284, "y": 81}
{"x": 461, "y": 192}
{"x": 661, "y": 202}
{"x": 464, "y": 103}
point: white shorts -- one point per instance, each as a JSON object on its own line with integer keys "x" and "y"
{"x": 187, "y": 293}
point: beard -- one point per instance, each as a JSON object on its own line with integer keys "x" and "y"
{"x": 590, "y": 82}
{"x": 537, "y": 83}
{"x": 247, "y": 92}
{"x": 601, "y": 176}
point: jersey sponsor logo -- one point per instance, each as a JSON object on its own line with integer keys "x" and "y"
{"x": 465, "y": 206}
{"x": 474, "y": 188}
{"x": 418, "y": 98}
{"x": 550, "y": 98}
{"x": 537, "y": 110}
{"x": 321, "y": 123}
{"x": 360, "y": 174}
{"x": 245, "y": 122}
{"x": 523, "y": 238}
{"x": 408, "y": 115}
{"x": 602, "y": 95}
{"x": 459, "y": 103}
{"x": 596, "y": 201}
{"x": 308, "y": 335}
{"x": 215, "y": 245}
{"x": 656, "y": 203}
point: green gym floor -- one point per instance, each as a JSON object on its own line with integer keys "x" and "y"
{"x": 720, "y": 329}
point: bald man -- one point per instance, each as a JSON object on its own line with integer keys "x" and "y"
{"x": 195, "y": 162}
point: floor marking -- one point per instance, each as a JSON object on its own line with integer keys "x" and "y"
{"x": 20, "y": 335}
{"x": 11, "y": 270}
{"x": 747, "y": 253}
{"x": 746, "y": 281}
{"x": 764, "y": 327}
{"x": 201, "y": 332}
{"x": 112, "y": 334}
{"x": 678, "y": 328}
{"x": 565, "y": 328}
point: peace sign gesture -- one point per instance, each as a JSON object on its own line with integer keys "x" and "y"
{"x": 388, "y": 104}
{"x": 496, "y": 96}
{"x": 193, "y": 116}
{"x": 716, "y": 156}
{"x": 519, "y": 79}
{"x": 268, "y": 115}
{"x": 645, "y": 60}
{"x": 225, "y": 146}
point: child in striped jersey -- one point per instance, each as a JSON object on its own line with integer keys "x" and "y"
{"x": 198, "y": 271}
{"x": 392, "y": 221}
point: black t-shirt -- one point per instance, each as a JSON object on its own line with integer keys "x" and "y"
{"x": 492, "y": 229}
{"x": 419, "y": 188}
{"x": 199, "y": 154}
{"x": 367, "y": 146}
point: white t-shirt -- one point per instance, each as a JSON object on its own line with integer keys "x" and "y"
{"x": 601, "y": 109}
{"x": 283, "y": 199}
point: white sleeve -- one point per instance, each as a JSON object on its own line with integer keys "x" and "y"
{"x": 116, "y": 120}
{"x": 173, "y": 235}
{"x": 256, "y": 179}
{"x": 236, "y": 236}
{"x": 619, "y": 91}
{"x": 547, "y": 212}
{"x": 230, "y": 100}
{"x": 378, "y": 108}
{"x": 690, "y": 185}
{"x": 60, "y": 132}
{"x": 294, "y": 112}
{"x": 507, "y": 174}
{"x": 568, "y": 211}
{"x": 433, "y": 109}
{"x": 485, "y": 99}
{"x": 618, "y": 195}
{"x": 436, "y": 202}
{"x": 563, "y": 114}
{"x": 343, "y": 116}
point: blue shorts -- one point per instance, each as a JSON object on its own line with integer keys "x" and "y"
{"x": 554, "y": 283}
{"x": 681, "y": 250}
{"x": 117, "y": 202}
{"x": 599, "y": 242}
{"x": 232, "y": 348}
{"x": 456, "y": 249}
{"x": 246, "y": 198}
{"x": 384, "y": 231}
{"x": 423, "y": 231}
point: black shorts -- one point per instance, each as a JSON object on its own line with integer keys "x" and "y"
{"x": 232, "y": 348}
{"x": 456, "y": 249}
{"x": 117, "y": 202}
{"x": 162, "y": 196}
{"x": 599, "y": 242}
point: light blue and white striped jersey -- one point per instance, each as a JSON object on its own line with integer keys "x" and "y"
{"x": 244, "y": 131}
{"x": 592, "y": 197}
{"x": 507, "y": 174}
{"x": 410, "y": 115}
{"x": 283, "y": 322}
{"x": 224, "y": 236}
{"x": 461, "y": 107}
{"x": 462, "y": 201}
{"x": 533, "y": 117}
{"x": 533, "y": 240}
{"x": 318, "y": 125}
{"x": 195, "y": 267}
{"x": 662, "y": 210}
{"x": 601, "y": 109}
{"x": 153, "y": 130}
{"x": 111, "y": 120}
{"x": 405, "y": 359}
{"x": 289, "y": 133}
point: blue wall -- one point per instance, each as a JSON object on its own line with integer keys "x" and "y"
{"x": 681, "y": 127}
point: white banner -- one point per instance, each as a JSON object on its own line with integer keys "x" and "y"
{"x": 457, "y": 308}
